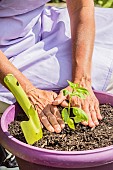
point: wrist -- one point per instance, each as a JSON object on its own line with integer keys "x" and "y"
{"x": 29, "y": 88}
{"x": 82, "y": 81}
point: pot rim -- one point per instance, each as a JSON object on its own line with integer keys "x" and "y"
{"x": 53, "y": 151}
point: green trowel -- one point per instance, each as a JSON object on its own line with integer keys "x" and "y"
{"x": 32, "y": 128}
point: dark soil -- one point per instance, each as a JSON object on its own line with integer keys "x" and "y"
{"x": 82, "y": 138}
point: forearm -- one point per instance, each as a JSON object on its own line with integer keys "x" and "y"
{"x": 83, "y": 33}
{"x": 7, "y": 67}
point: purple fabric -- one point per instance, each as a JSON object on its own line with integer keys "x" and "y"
{"x": 38, "y": 43}
{"x": 102, "y": 67}
{"x": 13, "y": 7}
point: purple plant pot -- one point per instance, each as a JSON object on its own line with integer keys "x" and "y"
{"x": 33, "y": 158}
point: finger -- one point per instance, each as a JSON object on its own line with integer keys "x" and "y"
{"x": 94, "y": 116}
{"x": 76, "y": 102}
{"x": 51, "y": 118}
{"x": 64, "y": 104}
{"x": 57, "y": 114}
{"x": 38, "y": 105}
{"x": 32, "y": 100}
{"x": 54, "y": 95}
{"x": 85, "y": 123}
{"x": 97, "y": 109}
{"x": 35, "y": 103}
{"x": 99, "y": 116}
{"x": 59, "y": 99}
{"x": 54, "y": 123}
{"x": 44, "y": 121}
{"x": 90, "y": 121}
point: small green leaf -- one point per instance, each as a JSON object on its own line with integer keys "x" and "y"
{"x": 82, "y": 90}
{"x": 72, "y": 85}
{"x": 80, "y": 115}
{"x": 65, "y": 115}
{"x": 80, "y": 95}
{"x": 71, "y": 124}
{"x": 65, "y": 92}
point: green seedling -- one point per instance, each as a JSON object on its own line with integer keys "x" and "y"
{"x": 32, "y": 128}
{"x": 78, "y": 114}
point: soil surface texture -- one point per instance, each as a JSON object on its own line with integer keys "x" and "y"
{"x": 82, "y": 138}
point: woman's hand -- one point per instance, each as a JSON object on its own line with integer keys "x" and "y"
{"x": 82, "y": 21}
{"x": 49, "y": 115}
{"x": 90, "y": 105}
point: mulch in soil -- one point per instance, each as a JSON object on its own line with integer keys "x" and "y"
{"x": 82, "y": 138}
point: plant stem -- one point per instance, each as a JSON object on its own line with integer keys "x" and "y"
{"x": 69, "y": 106}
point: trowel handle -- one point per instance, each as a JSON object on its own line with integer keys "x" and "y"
{"x": 18, "y": 92}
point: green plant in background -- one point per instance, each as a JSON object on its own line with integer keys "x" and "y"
{"x": 104, "y": 3}
{"x": 78, "y": 114}
{"x": 101, "y": 3}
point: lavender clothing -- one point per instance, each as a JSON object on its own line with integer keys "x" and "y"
{"x": 37, "y": 40}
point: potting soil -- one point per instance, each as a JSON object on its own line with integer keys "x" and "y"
{"x": 82, "y": 138}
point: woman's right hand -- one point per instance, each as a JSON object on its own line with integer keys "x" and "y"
{"x": 90, "y": 105}
{"x": 49, "y": 115}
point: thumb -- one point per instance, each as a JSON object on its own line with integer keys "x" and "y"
{"x": 64, "y": 103}
{"x": 59, "y": 99}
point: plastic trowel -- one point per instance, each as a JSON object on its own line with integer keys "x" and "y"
{"x": 32, "y": 129}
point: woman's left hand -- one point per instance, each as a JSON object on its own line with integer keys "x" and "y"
{"x": 90, "y": 105}
{"x": 49, "y": 114}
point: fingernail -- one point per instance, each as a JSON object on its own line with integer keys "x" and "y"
{"x": 85, "y": 123}
{"x": 55, "y": 102}
{"x": 96, "y": 122}
{"x": 100, "y": 117}
{"x": 51, "y": 129}
{"x": 62, "y": 126}
{"x": 92, "y": 125}
{"x": 58, "y": 129}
